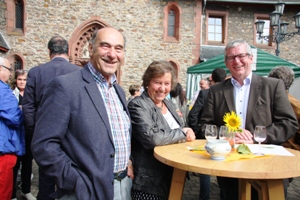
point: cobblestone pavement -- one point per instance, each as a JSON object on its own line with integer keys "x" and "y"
{"x": 191, "y": 189}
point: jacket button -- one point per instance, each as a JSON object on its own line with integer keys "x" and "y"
{"x": 112, "y": 155}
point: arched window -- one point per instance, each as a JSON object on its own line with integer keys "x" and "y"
{"x": 15, "y": 17}
{"x": 17, "y": 60}
{"x": 19, "y": 14}
{"x": 18, "y": 63}
{"x": 171, "y": 22}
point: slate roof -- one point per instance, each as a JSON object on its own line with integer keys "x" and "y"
{"x": 208, "y": 52}
{"x": 3, "y": 43}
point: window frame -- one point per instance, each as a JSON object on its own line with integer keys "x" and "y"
{"x": 10, "y": 16}
{"x": 177, "y": 12}
{"x": 270, "y": 44}
{"x": 217, "y": 14}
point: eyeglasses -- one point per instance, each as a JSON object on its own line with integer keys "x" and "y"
{"x": 10, "y": 69}
{"x": 240, "y": 56}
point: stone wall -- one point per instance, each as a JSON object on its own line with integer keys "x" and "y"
{"x": 142, "y": 24}
{"x": 140, "y": 20}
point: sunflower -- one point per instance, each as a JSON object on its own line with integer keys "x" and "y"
{"x": 232, "y": 121}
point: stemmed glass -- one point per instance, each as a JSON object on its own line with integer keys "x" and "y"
{"x": 211, "y": 132}
{"x": 260, "y": 135}
{"x": 223, "y": 133}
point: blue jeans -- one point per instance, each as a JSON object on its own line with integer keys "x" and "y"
{"x": 204, "y": 187}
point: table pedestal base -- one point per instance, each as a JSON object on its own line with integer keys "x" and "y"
{"x": 177, "y": 184}
{"x": 267, "y": 189}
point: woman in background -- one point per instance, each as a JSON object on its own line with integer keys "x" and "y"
{"x": 26, "y": 160}
{"x": 179, "y": 99}
{"x": 155, "y": 122}
{"x": 134, "y": 91}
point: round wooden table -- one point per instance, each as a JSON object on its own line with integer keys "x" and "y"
{"x": 265, "y": 174}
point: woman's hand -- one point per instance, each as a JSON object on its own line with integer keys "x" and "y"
{"x": 190, "y": 135}
{"x": 130, "y": 170}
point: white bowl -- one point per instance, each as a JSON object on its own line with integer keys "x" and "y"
{"x": 217, "y": 149}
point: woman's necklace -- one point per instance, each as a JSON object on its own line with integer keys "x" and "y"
{"x": 162, "y": 106}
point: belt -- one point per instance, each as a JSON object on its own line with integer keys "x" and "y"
{"x": 120, "y": 175}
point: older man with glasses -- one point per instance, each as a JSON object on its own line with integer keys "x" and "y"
{"x": 8, "y": 68}
{"x": 12, "y": 140}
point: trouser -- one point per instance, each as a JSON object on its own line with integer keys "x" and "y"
{"x": 26, "y": 169}
{"x": 121, "y": 190}
{"x": 46, "y": 186}
{"x": 7, "y": 163}
{"x": 204, "y": 187}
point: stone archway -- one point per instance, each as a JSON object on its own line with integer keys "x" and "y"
{"x": 79, "y": 40}
{"x": 176, "y": 66}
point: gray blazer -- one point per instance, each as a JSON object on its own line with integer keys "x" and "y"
{"x": 72, "y": 140}
{"x": 268, "y": 105}
{"x": 150, "y": 129}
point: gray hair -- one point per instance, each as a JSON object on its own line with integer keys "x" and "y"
{"x": 236, "y": 43}
{"x": 284, "y": 73}
{"x": 94, "y": 36}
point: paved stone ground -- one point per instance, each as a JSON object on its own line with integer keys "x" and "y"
{"x": 191, "y": 189}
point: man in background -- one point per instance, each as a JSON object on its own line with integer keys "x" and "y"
{"x": 12, "y": 137}
{"x": 37, "y": 81}
{"x": 218, "y": 75}
{"x": 203, "y": 85}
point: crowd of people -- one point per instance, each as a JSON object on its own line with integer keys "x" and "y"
{"x": 91, "y": 143}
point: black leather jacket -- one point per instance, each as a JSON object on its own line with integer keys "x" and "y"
{"x": 150, "y": 129}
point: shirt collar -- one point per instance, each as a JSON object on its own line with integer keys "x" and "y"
{"x": 246, "y": 81}
{"x": 99, "y": 78}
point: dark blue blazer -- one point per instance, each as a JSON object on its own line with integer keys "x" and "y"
{"x": 73, "y": 140}
{"x": 37, "y": 81}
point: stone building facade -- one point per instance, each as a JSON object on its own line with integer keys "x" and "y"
{"x": 144, "y": 24}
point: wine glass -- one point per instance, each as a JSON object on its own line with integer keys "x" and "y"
{"x": 211, "y": 132}
{"x": 223, "y": 133}
{"x": 260, "y": 135}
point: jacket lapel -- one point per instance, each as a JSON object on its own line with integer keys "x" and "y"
{"x": 96, "y": 98}
{"x": 228, "y": 95}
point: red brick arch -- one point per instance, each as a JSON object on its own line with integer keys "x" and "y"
{"x": 176, "y": 66}
{"x": 80, "y": 39}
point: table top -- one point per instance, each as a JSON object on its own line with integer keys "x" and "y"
{"x": 272, "y": 167}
